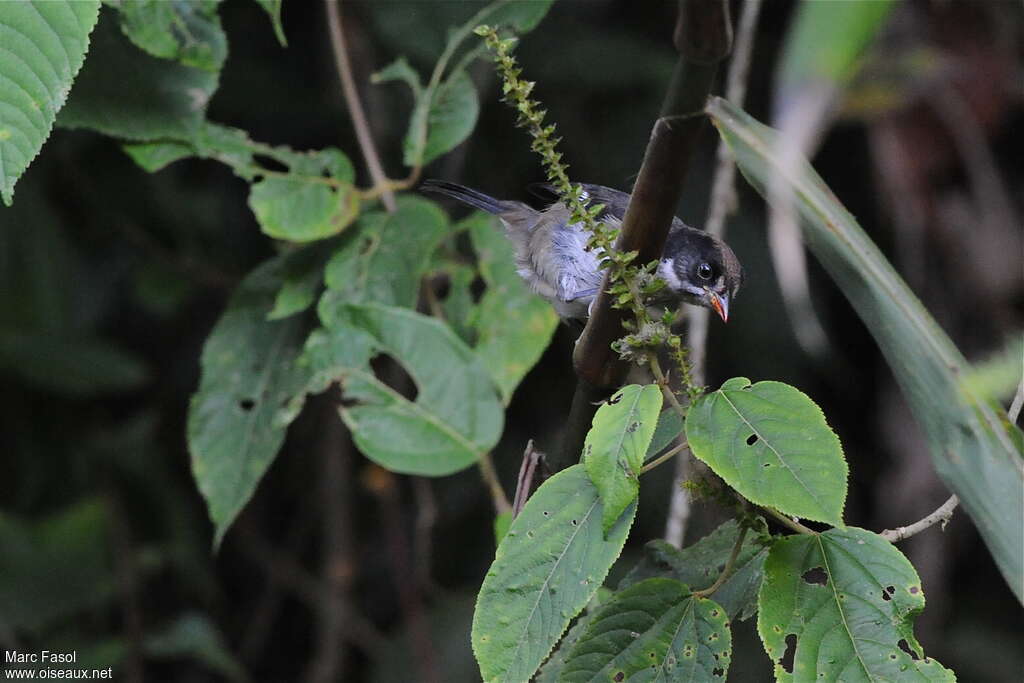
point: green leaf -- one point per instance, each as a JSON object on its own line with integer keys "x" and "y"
{"x": 273, "y": 8}
{"x": 301, "y": 272}
{"x": 551, "y": 668}
{"x": 502, "y": 523}
{"x": 976, "y": 450}
{"x": 670, "y": 426}
{"x": 653, "y": 631}
{"x": 456, "y": 417}
{"x": 187, "y": 31}
{"x": 1000, "y": 374}
{"x": 230, "y": 146}
{"x": 384, "y": 258}
{"x": 314, "y": 200}
{"x": 400, "y": 70}
{"x": 613, "y": 452}
{"x": 250, "y": 389}
{"x": 460, "y": 309}
{"x": 827, "y": 40}
{"x": 193, "y": 635}
{"x": 69, "y": 365}
{"x": 839, "y": 606}
{"x": 441, "y": 120}
{"x": 521, "y": 17}
{"x": 55, "y": 567}
{"x": 549, "y": 566}
{"x": 44, "y": 47}
{"x": 513, "y": 324}
{"x": 128, "y": 94}
{"x": 699, "y": 565}
{"x": 771, "y": 443}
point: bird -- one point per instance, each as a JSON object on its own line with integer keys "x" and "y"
{"x": 552, "y": 256}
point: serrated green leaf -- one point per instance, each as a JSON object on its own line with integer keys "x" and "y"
{"x": 44, "y": 47}
{"x": 441, "y": 120}
{"x": 384, "y": 257}
{"x": 670, "y": 426}
{"x": 839, "y": 606}
{"x": 699, "y": 565}
{"x": 125, "y": 93}
{"x": 251, "y": 388}
{"x": 513, "y": 324}
{"x": 187, "y": 31}
{"x": 456, "y": 417}
{"x": 975, "y": 448}
{"x": 614, "y": 450}
{"x": 273, "y": 8}
{"x": 771, "y": 443}
{"x": 547, "y": 569}
{"x": 654, "y": 630}
{"x": 314, "y": 200}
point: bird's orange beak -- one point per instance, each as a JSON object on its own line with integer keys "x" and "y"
{"x": 720, "y": 304}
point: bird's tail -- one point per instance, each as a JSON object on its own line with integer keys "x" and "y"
{"x": 466, "y": 195}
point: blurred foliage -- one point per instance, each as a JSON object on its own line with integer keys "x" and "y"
{"x": 112, "y": 279}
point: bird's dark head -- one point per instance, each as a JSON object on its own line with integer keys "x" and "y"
{"x": 701, "y": 270}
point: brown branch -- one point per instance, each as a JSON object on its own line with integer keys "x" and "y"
{"x": 941, "y": 515}
{"x": 703, "y": 36}
{"x": 355, "y": 105}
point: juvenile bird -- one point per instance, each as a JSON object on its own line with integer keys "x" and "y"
{"x": 551, "y": 253}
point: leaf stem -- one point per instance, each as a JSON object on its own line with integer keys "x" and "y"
{"x": 943, "y": 514}
{"x": 730, "y": 565}
{"x": 490, "y": 477}
{"x": 787, "y": 522}
{"x": 662, "y": 380}
{"x": 676, "y": 450}
{"x": 355, "y": 106}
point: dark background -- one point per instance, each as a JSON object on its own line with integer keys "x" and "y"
{"x": 337, "y": 570}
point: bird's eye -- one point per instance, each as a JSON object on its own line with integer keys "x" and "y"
{"x": 705, "y": 271}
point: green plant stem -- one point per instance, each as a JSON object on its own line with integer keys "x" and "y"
{"x": 662, "y": 381}
{"x": 730, "y": 565}
{"x": 787, "y": 522}
{"x": 490, "y": 477}
{"x": 665, "y": 457}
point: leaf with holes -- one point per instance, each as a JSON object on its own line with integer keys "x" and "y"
{"x": 552, "y": 667}
{"x": 44, "y": 47}
{"x": 250, "y": 389}
{"x": 187, "y": 32}
{"x": 839, "y": 606}
{"x": 513, "y": 324}
{"x": 975, "y": 448}
{"x": 698, "y": 565}
{"x": 383, "y": 259}
{"x": 614, "y": 450}
{"x": 654, "y": 630}
{"x": 547, "y": 569}
{"x": 230, "y": 146}
{"x": 125, "y": 93}
{"x": 313, "y": 200}
{"x": 456, "y": 417}
{"x": 770, "y": 442}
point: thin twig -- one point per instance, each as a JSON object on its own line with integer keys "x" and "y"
{"x": 355, "y": 105}
{"x": 1018, "y": 402}
{"x": 662, "y": 381}
{"x": 532, "y": 459}
{"x": 942, "y": 515}
{"x": 722, "y": 203}
{"x": 787, "y": 522}
{"x": 727, "y": 570}
{"x": 490, "y": 477}
{"x": 679, "y": 448}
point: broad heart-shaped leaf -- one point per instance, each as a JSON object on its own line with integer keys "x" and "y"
{"x": 384, "y": 257}
{"x": 549, "y": 566}
{"x": 699, "y": 565}
{"x": 655, "y": 630}
{"x": 770, "y": 442}
{"x": 456, "y": 417}
{"x": 513, "y": 324}
{"x": 250, "y": 389}
{"x": 442, "y": 118}
{"x": 315, "y": 199}
{"x": 125, "y": 93}
{"x": 614, "y": 450}
{"x": 44, "y": 46}
{"x": 976, "y": 450}
{"x": 187, "y": 31}
{"x": 839, "y": 606}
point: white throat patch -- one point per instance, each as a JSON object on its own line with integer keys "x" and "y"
{"x": 667, "y": 273}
